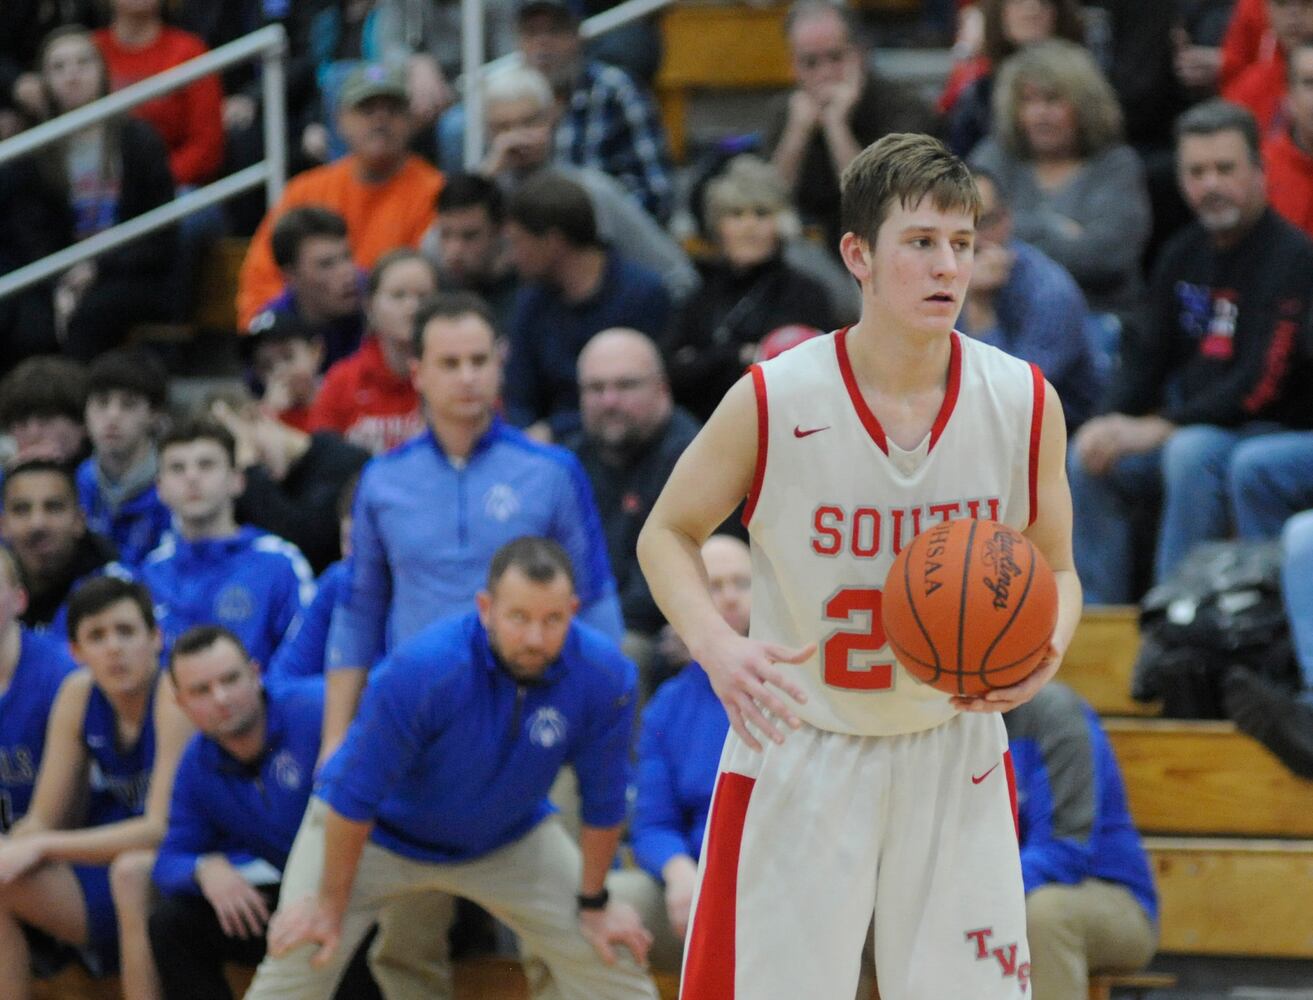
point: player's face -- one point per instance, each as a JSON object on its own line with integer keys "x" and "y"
{"x": 324, "y": 279}
{"x": 119, "y": 648}
{"x": 748, "y": 235}
{"x": 623, "y": 398}
{"x": 1220, "y": 180}
{"x": 1048, "y": 121}
{"x": 917, "y": 273}
{"x": 459, "y": 373}
{"x": 470, "y": 244}
{"x": 197, "y": 481}
{"x": 392, "y": 307}
{"x": 118, "y": 421}
{"x": 823, "y": 53}
{"x": 729, "y": 576}
{"x": 527, "y": 622}
{"x": 219, "y": 690}
{"x": 41, "y": 521}
{"x": 1299, "y": 99}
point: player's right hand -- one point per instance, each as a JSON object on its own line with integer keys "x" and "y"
{"x": 305, "y": 921}
{"x": 746, "y": 677}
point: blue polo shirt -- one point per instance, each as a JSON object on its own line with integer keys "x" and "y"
{"x": 425, "y": 528}
{"x": 451, "y": 758}
{"x": 221, "y": 805}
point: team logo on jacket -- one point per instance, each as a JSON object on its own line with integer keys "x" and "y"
{"x": 547, "y": 728}
{"x": 287, "y": 772}
{"x": 234, "y": 604}
{"x": 501, "y": 503}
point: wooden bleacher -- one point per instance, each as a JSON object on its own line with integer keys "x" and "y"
{"x": 1098, "y": 663}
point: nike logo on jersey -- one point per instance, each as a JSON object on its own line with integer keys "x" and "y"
{"x": 798, "y": 432}
{"x": 977, "y": 780}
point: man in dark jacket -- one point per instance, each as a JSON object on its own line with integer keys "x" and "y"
{"x": 631, "y": 438}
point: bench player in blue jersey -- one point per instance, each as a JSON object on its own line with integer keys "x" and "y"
{"x": 113, "y": 742}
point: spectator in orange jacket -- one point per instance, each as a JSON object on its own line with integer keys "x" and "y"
{"x": 385, "y": 193}
{"x": 1288, "y": 154}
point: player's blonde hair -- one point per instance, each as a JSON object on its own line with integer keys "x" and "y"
{"x": 1069, "y": 72}
{"x": 904, "y": 167}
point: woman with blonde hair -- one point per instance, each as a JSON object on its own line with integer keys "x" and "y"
{"x": 1076, "y": 190}
{"x": 748, "y": 287}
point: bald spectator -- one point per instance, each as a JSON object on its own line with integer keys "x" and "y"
{"x": 573, "y": 287}
{"x": 383, "y": 191}
{"x": 609, "y": 122}
{"x": 1288, "y": 152}
{"x": 632, "y": 435}
{"x": 837, "y": 109}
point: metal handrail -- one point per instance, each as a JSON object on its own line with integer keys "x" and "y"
{"x": 270, "y": 45}
{"x": 598, "y": 24}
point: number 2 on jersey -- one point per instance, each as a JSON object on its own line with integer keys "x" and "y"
{"x": 862, "y": 604}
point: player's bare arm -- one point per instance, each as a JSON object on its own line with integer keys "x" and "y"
{"x": 1051, "y": 534}
{"x": 617, "y": 922}
{"x": 342, "y": 689}
{"x": 713, "y": 475}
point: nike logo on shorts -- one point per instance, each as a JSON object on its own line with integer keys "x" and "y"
{"x": 977, "y": 780}
{"x": 798, "y": 432}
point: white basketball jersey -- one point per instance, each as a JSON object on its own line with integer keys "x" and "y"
{"x": 833, "y": 502}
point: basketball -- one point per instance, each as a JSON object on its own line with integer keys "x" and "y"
{"x": 970, "y": 606}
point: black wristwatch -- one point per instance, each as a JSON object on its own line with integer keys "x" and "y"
{"x": 596, "y": 902}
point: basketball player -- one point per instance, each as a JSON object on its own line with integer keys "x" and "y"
{"x": 888, "y": 800}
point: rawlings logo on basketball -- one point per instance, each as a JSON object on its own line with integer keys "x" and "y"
{"x": 1000, "y": 558}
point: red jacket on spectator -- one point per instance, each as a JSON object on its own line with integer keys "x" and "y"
{"x": 362, "y": 399}
{"x": 1247, "y": 40}
{"x": 190, "y": 120}
{"x": 1262, "y": 89}
{"x": 1289, "y": 173}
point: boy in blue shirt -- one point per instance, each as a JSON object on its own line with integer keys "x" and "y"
{"x": 127, "y": 394}
{"x": 209, "y": 571}
{"x": 114, "y": 739}
{"x": 440, "y": 788}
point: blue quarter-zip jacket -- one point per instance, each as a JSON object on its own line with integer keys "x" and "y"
{"x": 43, "y": 663}
{"x": 452, "y": 759}
{"x": 1071, "y": 802}
{"x": 679, "y": 744}
{"x": 301, "y": 656}
{"x": 136, "y": 526}
{"x": 425, "y": 528}
{"x": 253, "y": 583}
{"x": 221, "y": 805}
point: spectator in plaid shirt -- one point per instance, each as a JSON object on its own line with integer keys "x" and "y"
{"x": 608, "y": 121}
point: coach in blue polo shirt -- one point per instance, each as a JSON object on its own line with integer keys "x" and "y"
{"x": 239, "y": 794}
{"x": 440, "y": 787}
{"x": 429, "y": 515}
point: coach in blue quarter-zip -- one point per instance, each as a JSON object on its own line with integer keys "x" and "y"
{"x": 441, "y": 787}
{"x": 430, "y": 514}
{"x": 240, "y": 791}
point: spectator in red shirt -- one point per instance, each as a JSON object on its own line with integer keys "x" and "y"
{"x": 1288, "y": 154}
{"x": 368, "y": 397}
{"x": 1262, "y": 86}
{"x": 138, "y": 44}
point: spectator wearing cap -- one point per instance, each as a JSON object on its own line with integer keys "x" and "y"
{"x": 609, "y": 122}
{"x": 572, "y": 287}
{"x": 384, "y": 192}
{"x": 320, "y": 301}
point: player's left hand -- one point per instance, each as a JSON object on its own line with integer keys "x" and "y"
{"x": 619, "y": 923}
{"x": 305, "y": 921}
{"x": 18, "y": 856}
{"x": 1008, "y": 698}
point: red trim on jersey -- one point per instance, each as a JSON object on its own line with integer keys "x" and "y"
{"x": 951, "y": 387}
{"x": 869, "y": 419}
{"x": 710, "y": 960}
{"x": 763, "y": 438}
{"x": 1012, "y": 790}
{"x": 1036, "y": 429}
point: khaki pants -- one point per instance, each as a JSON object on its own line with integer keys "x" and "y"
{"x": 529, "y": 885}
{"x": 1074, "y": 929}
